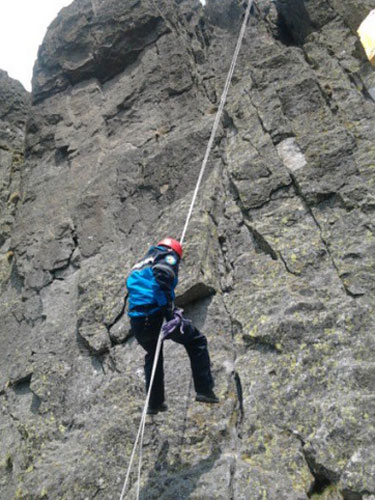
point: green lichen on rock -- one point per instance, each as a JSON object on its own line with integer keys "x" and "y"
{"x": 278, "y": 261}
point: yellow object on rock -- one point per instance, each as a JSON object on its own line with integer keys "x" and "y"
{"x": 366, "y": 32}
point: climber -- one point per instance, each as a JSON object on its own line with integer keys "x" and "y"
{"x": 151, "y": 285}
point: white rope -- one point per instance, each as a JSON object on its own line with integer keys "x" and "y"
{"x": 156, "y": 359}
{"x": 141, "y": 429}
{"x": 217, "y": 117}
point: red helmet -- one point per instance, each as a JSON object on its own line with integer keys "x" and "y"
{"x": 171, "y": 243}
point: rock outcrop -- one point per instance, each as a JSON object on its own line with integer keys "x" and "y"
{"x": 14, "y": 104}
{"x": 280, "y": 254}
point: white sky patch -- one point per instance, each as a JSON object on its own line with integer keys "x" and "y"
{"x": 23, "y": 24}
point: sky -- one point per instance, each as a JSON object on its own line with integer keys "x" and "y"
{"x": 23, "y": 24}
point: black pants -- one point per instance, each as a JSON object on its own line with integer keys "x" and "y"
{"x": 146, "y": 331}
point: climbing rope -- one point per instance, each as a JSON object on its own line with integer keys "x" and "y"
{"x": 141, "y": 429}
{"x": 218, "y": 117}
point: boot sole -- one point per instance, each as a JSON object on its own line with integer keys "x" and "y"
{"x": 204, "y": 399}
{"x": 152, "y": 411}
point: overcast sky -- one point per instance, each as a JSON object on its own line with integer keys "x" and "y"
{"x": 23, "y": 24}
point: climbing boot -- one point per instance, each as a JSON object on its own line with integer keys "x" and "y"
{"x": 206, "y": 397}
{"x": 153, "y": 411}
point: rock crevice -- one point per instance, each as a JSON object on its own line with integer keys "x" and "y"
{"x": 278, "y": 267}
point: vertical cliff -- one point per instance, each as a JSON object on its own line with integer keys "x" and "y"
{"x": 14, "y": 104}
{"x": 280, "y": 254}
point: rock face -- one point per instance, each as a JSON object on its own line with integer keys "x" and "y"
{"x": 280, "y": 254}
{"x": 14, "y": 104}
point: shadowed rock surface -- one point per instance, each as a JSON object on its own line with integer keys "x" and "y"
{"x": 280, "y": 254}
{"x": 14, "y": 104}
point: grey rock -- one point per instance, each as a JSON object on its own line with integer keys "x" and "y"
{"x": 279, "y": 255}
{"x": 14, "y": 105}
{"x": 291, "y": 155}
{"x": 359, "y": 472}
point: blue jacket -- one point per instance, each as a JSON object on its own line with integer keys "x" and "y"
{"x": 152, "y": 281}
